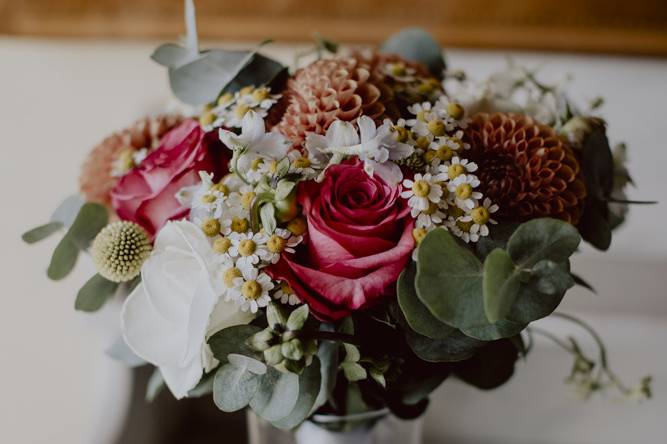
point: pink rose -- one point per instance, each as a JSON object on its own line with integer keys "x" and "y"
{"x": 359, "y": 240}
{"x": 146, "y": 195}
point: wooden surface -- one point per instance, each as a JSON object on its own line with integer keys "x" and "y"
{"x": 613, "y": 26}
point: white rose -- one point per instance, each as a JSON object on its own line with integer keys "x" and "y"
{"x": 168, "y": 317}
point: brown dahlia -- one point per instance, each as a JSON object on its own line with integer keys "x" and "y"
{"x": 97, "y": 175}
{"x": 526, "y": 168}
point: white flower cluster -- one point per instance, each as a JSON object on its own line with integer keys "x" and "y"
{"x": 230, "y": 108}
{"x": 446, "y": 194}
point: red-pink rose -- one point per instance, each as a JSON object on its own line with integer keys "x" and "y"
{"x": 146, "y": 195}
{"x": 359, "y": 240}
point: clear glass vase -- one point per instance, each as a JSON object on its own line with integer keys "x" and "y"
{"x": 377, "y": 427}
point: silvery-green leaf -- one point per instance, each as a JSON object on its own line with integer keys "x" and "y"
{"x": 353, "y": 371}
{"x": 276, "y": 395}
{"x": 155, "y": 385}
{"x": 260, "y": 70}
{"x": 328, "y": 357}
{"x": 233, "y": 340}
{"x": 268, "y": 216}
{"x": 41, "y": 232}
{"x": 275, "y": 316}
{"x": 94, "y": 293}
{"x": 540, "y": 239}
{"x": 284, "y": 188}
{"x": 120, "y": 351}
{"x": 309, "y": 386}
{"x": 171, "y": 55}
{"x": 298, "y": 318}
{"x": 89, "y": 222}
{"x": 417, "y": 45}
{"x": 500, "y": 284}
{"x": 253, "y": 365}
{"x": 234, "y": 387}
{"x": 63, "y": 259}
{"x": 378, "y": 377}
{"x": 351, "y": 353}
{"x": 68, "y": 210}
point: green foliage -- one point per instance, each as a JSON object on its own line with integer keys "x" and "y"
{"x": 277, "y": 395}
{"x": 540, "y": 239}
{"x": 500, "y": 284}
{"x": 491, "y": 366}
{"x": 95, "y": 293}
{"x": 328, "y": 356}
{"x": 233, "y": 340}
{"x": 90, "y": 219}
{"x": 309, "y": 387}
{"x": 41, "y": 232}
{"x": 297, "y": 318}
{"x": 234, "y": 387}
{"x": 417, "y": 45}
{"x": 352, "y": 370}
{"x": 456, "y": 347}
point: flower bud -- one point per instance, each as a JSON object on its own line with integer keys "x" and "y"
{"x": 292, "y": 350}
{"x": 273, "y": 355}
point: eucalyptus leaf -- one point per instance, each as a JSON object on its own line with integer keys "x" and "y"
{"x": 454, "y": 348}
{"x": 500, "y": 284}
{"x": 88, "y": 223}
{"x": 63, "y": 259}
{"x": 309, "y": 387}
{"x": 171, "y": 55}
{"x": 327, "y": 354}
{"x": 417, "y": 45}
{"x": 204, "y": 387}
{"x": 260, "y": 70}
{"x": 418, "y": 317}
{"x": 155, "y": 385}
{"x": 284, "y": 188}
{"x": 251, "y": 364}
{"x": 540, "y": 239}
{"x": 353, "y": 371}
{"x": 234, "y": 387}
{"x": 121, "y": 352}
{"x": 276, "y": 395}
{"x": 68, "y": 210}
{"x": 41, "y": 232}
{"x": 94, "y": 293}
{"x": 490, "y": 367}
{"x": 297, "y": 318}
{"x": 233, "y": 340}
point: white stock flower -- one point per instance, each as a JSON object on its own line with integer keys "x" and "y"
{"x": 177, "y": 305}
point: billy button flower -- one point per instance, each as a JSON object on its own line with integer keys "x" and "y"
{"x": 119, "y": 251}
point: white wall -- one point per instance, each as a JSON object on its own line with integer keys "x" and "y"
{"x": 57, "y": 99}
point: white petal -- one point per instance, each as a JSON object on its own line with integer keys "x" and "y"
{"x": 341, "y": 134}
{"x": 366, "y": 128}
{"x": 388, "y": 171}
{"x": 252, "y": 127}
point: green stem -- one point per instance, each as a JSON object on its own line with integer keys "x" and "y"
{"x": 335, "y": 336}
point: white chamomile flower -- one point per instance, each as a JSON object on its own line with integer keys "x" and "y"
{"x": 251, "y": 289}
{"x": 457, "y": 167}
{"x": 432, "y": 216}
{"x": 235, "y": 219}
{"x": 423, "y": 112}
{"x": 248, "y": 248}
{"x": 400, "y": 72}
{"x": 302, "y": 165}
{"x": 286, "y": 295}
{"x": 221, "y": 246}
{"x": 463, "y": 189}
{"x": 422, "y": 191}
{"x": 257, "y": 97}
{"x": 281, "y": 240}
{"x": 480, "y": 216}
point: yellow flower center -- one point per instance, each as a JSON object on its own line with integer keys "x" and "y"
{"x": 422, "y": 143}
{"x": 221, "y": 187}
{"x": 206, "y": 118}
{"x": 251, "y": 290}
{"x": 225, "y": 99}
{"x": 455, "y": 171}
{"x": 427, "y": 86}
{"x": 463, "y": 191}
{"x": 402, "y": 133}
{"x": 221, "y": 245}
{"x": 301, "y": 162}
{"x": 297, "y": 226}
{"x": 437, "y": 127}
{"x": 444, "y": 153}
{"x": 239, "y": 225}
{"x": 398, "y": 69}
{"x": 421, "y": 188}
{"x": 422, "y": 115}
{"x": 464, "y": 226}
{"x": 256, "y": 163}
{"x": 419, "y": 234}
{"x": 455, "y": 110}
{"x": 480, "y": 215}
{"x": 247, "y": 199}
{"x": 276, "y": 244}
{"x": 208, "y": 198}
{"x": 229, "y": 275}
{"x": 429, "y": 156}
{"x": 241, "y": 110}
{"x": 432, "y": 208}
{"x": 211, "y": 227}
{"x": 247, "y": 247}
{"x": 285, "y": 288}
{"x": 260, "y": 94}
{"x": 246, "y": 90}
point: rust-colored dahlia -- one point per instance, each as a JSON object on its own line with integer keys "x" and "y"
{"x": 99, "y": 172}
{"x": 526, "y": 168}
{"x": 327, "y": 90}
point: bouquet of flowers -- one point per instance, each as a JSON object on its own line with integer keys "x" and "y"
{"x": 342, "y": 237}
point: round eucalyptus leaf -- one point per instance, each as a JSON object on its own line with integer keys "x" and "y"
{"x": 94, "y": 293}
{"x": 277, "y": 394}
{"x": 456, "y": 347}
{"x": 540, "y": 239}
{"x": 89, "y": 222}
{"x": 309, "y": 387}
{"x": 63, "y": 259}
{"x": 253, "y": 365}
{"x": 233, "y": 340}
{"x": 417, "y": 45}
{"x": 234, "y": 387}
{"x": 500, "y": 284}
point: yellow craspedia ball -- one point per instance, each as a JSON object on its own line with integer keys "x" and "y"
{"x": 119, "y": 251}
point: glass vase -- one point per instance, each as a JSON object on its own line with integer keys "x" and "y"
{"x": 377, "y": 427}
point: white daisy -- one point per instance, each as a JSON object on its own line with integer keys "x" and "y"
{"x": 423, "y": 112}
{"x": 480, "y": 216}
{"x": 286, "y": 295}
{"x": 433, "y": 215}
{"x": 248, "y": 248}
{"x": 281, "y": 240}
{"x": 257, "y": 97}
{"x": 463, "y": 189}
{"x": 421, "y": 191}
{"x": 302, "y": 165}
{"x": 251, "y": 289}
{"x": 400, "y": 72}
{"x": 457, "y": 167}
